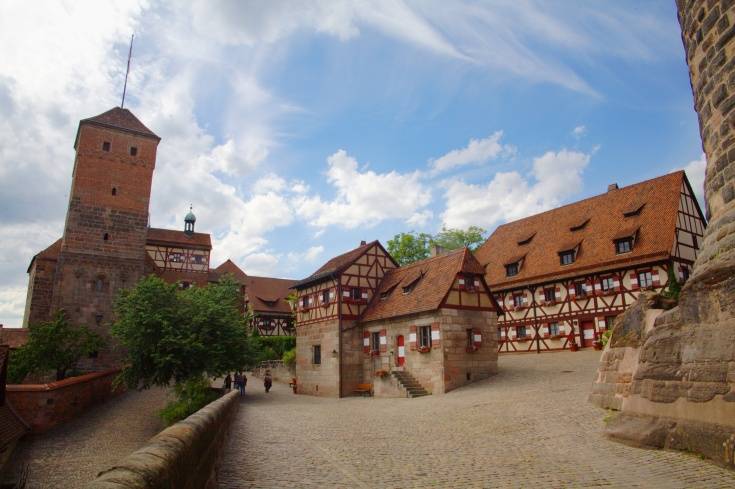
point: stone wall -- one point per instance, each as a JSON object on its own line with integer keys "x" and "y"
{"x": 183, "y": 456}
{"x": 683, "y": 391}
{"x": 43, "y": 406}
{"x": 321, "y": 379}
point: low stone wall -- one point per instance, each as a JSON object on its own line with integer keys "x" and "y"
{"x": 43, "y": 406}
{"x": 183, "y": 456}
{"x": 279, "y": 372}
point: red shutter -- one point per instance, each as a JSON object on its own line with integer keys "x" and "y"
{"x": 634, "y": 285}
{"x": 619, "y": 279}
{"x": 366, "y": 342}
{"x": 656, "y": 280}
{"x": 435, "y": 335}
{"x": 477, "y": 337}
{"x": 572, "y": 292}
{"x": 383, "y": 341}
{"x": 412, "y": 338}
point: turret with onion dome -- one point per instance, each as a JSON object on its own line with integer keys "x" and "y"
{"x": 189, "y": 221}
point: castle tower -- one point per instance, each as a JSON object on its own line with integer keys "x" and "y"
{"x": 683, "y": 390}
{"x": 103, "y": 246}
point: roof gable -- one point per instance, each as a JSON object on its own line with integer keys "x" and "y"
{"x": 267, "y": 294}
{"x": 429, "y": 281}
{"x": 230, "y": 267}
{"x": 590, "y": 226}
{"x": 340, "y": 263}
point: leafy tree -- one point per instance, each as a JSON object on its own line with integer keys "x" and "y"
{"x": 54, "y": 345}
{"x": 174, "y": 335}
{"x": 191, "y": 395}
{"x": 407, "y": 248}
{"x": 451, "y": 239}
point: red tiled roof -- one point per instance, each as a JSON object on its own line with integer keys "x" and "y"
{"x": 229, "y": 267}
{"x": 13, "y": 337}
{"x": 439, "y": 274}
{"x": 267, "y": 294}
{"x": 122, "y": 119}
{"x": 339, "y": 263}
{"x": 656, "y": 225}
{"x": 178, "y": 238}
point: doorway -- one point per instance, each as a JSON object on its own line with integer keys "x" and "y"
{"x": 588, "y": 333}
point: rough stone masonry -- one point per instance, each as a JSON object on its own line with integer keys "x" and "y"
{"x": 682, "y": 394}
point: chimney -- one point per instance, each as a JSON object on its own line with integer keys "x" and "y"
{"x": 363, "y": 242}
{"x": 436, "y": 250}
{"x": 612, "y": 186}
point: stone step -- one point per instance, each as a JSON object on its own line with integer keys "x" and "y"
{"x": 410, "y": 384}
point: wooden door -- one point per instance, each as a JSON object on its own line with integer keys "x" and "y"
{"x": 588, "y": 333}
{"x": 401, "y": 356}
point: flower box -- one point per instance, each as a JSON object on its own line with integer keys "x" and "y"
{"x": 381, "y": 373}
{"x": 375, "y": 353}
{"x": 524, "y": 339}
{"x": 423, "y": 349}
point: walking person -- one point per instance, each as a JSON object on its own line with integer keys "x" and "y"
{"x": 228, "y": 382}
{"x": 238, "y": 383}
{"x": 267, "y": 381}
{"x": 244, "y": 382}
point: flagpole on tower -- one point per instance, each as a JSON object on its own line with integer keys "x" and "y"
{"x": 125, "y": 85}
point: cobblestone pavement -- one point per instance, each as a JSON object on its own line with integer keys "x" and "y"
{"x": 530, "y": 426}
{"x": 72, "y": 454}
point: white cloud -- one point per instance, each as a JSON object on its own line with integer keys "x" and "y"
{"x": 477, "y": 151}
{"x": 579, "y": 131}
{"x": 695, "y": 171}
{"x": 261, "y": 263}
{"x": 309, "y": 256}
{"x": 364, "y": 198}
{"x": 12, "y": 304}
{"x": 509, "y": 196}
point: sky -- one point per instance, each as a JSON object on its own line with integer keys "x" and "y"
{"x": 296, "y": 129}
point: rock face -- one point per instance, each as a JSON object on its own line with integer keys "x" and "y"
{"x": 682, "y": 393}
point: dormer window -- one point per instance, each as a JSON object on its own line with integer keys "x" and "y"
{"x": 579, "y": 225}
{"x": 634, "y": 209}
{"x": 386, "y": 293}
{"x": 525, "y": 239}
{"x": 511, "y": 269}
{"x": 567, "y": 257}
{"x": 623, "y": 246}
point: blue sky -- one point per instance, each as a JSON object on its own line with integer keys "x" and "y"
{"x": 298, "y": 129}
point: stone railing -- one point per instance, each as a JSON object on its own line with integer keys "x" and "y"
{"x": 183, "y": 456}
{"x": 43, "y": 406}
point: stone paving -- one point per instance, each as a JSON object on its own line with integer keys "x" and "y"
{"x": 72, "y": 454}
{"x": 530, "y": 426}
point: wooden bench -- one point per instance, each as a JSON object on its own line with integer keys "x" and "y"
{"x": 364, "y": 389}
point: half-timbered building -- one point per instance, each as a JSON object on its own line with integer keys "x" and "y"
{"x": 562, "y": 276}
{"x": 266, "y": 298}
{"x": 423, "y": 328}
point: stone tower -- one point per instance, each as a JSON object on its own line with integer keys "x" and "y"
{"x": 682, "y": 393}
{"x": 103, "y": 246}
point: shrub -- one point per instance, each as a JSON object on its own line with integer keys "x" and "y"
{"x": 191, "y": 396}
{"x": 289, "y": 358}
{"x": 606, "y": 337}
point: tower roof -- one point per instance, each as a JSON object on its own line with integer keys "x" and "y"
{"x": 120, "y": 119}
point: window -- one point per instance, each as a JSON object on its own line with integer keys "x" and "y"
{"x": 607, "y": 284}
{"x": 133, "y": 151}
{"x": 375, "y": 342}
{"x": 469, "y": 282}
{"x": 325, "y": 296}
{"x": 470, "y": 339}
{"x": 521, "y": 331}
{"x": 408, "y": 288}
{"x": 623, "y": 246}
{"x": 566, "y": 257}
{"x": 305, "y": 302}
{"x": 198, "y": 259}
{"x": 645, "y": 280}
{"x": 356, "y": 293}
{"x": 609, "y": 320}
{"x": 106, "y": 146}
{"x": 175, "y": 257}
{"x": 511, "y": 269}
{"x": 184, "y": 285}
{"x": 579, "y": 289}
{"x": 99, "y": 284}
{"x": 684, "y": 273}
{"x": 316, "y": 354}
{"x": 106, "y": 237}
{"x": 518, "y": 300}
{"x": 114, "y": 191}
{"x": 424, "y": 336}
{"x": 554, "y": 329}
{"x": 550, "y": 295}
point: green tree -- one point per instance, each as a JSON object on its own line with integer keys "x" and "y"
{"x": 407, "y": 248}
{"x": 173, "y": 335}
{"x": 54, "y": 345}
{"x": 451, "y": 239}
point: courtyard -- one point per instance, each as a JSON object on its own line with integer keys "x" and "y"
{"x": 530, "y": 426}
